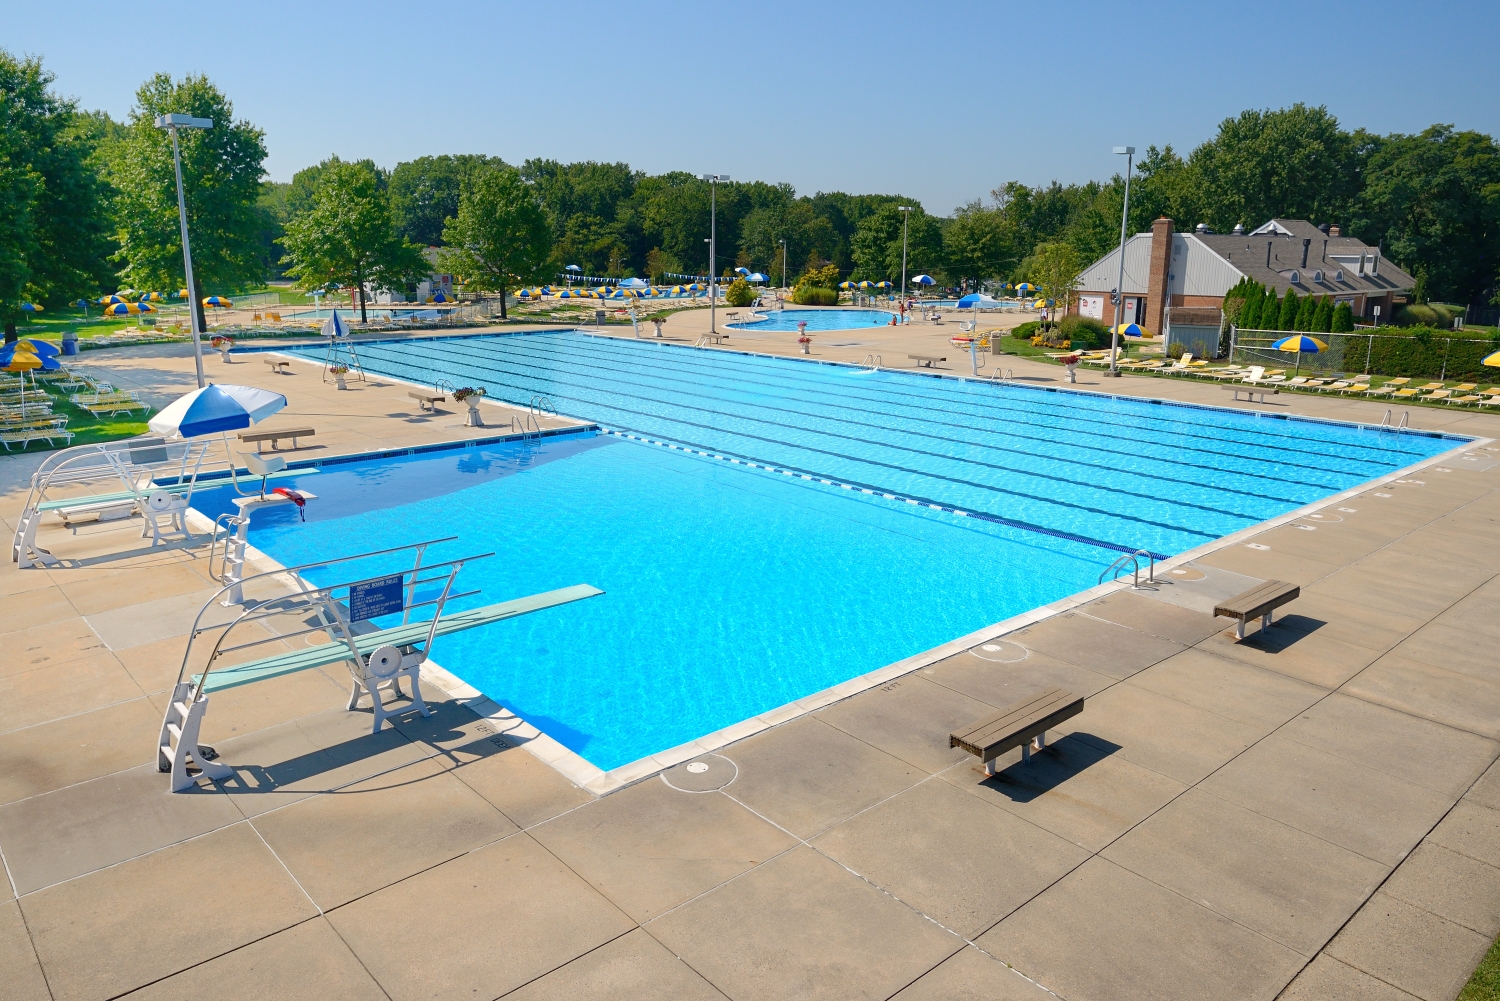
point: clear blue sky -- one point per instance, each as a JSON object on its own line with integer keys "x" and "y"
{"x": 939, "y": 101}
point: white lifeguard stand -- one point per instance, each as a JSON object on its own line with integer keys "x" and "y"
{"x": 340, "y": 348}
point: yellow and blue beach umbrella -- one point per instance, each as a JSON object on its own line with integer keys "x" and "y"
{"x": 182, "y": 293}
{"x": 150, "y": 297}
{"x": 121, "y": 309}
{"x": 30, "y": 307}
{"x": 217, "y": 301}
{"x": 1025, "y": 287}
{"x": 1493, "y": 361}
{"x": 884, "y": 285}
{"x": 677, "y": 290}
{"x": 110, "y": 300}
{"x": 695, "y": 287}
{"x": 1131, "y": 330}
{"x": 848, "y": 286}
{"x": 1300, "y": 343}
{"x": 144, "y": 307}
{"x": 525, "y": 293}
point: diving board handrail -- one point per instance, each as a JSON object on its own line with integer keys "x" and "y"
{"x": 256, "y": 612}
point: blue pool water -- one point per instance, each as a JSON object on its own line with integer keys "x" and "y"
{"x": 732, "y": 590}
{"x": 819, "y": 319}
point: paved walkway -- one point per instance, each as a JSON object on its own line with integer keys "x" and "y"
{"x": 1312, "y": 813}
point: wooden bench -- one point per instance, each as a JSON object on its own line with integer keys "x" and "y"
{"x": 1260, "y": 601}
{"x": 1251, "y": 392}
{"x": 427, "y": 401}
{"x": 1023, "y": 724}
{"x": 929, "y": 360}
{"x": 274, "y": 436}
{"x": 277, "y": 365}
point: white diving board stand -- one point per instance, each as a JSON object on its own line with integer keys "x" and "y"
{"x": 377, "y": 658}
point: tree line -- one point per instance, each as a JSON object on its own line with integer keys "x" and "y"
{"x": 88, "y": 204}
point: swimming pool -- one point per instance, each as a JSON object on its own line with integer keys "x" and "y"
{"x": 818, "y": 319}
{"x": 850, "y": 520}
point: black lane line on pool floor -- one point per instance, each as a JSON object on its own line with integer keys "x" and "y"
{"x": 1041, "y": 455}
{"x": 1101, "y": 512}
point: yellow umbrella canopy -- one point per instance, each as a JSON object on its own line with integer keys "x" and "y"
{"x": 1493, "y": 361}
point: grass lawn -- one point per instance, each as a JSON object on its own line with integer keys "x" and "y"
{"x": 86, "y": 428}
{"x": 1484, "y": 985}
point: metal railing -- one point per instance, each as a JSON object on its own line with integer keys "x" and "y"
{"x": 1116, "y": 568}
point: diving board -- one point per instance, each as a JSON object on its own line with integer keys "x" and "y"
{"x": 342, "y": 614}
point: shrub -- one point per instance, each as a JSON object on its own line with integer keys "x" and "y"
{"x": 1425, "y": 315}
{"x": 1323, "y": 318}
{"x": 1288, "y": 316}
{"x": 1176, "y": 350}
{"x": 1305, "y": 313}
{"x": 1027, "y": 331}
{"x": 815, "y": 295}
{"x": 739, "y": 293}
{"x": 1084, "y": 331}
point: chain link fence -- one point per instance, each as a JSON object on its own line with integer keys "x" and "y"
{"x": 1422, "y": 355}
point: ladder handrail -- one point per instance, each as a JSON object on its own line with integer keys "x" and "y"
{"x": 233, "y": 523}
{"x": 1118, "y": 567}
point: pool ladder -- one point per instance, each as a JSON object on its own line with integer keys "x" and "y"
{"x": 1003, "y": 377}
{"x": 527, "y": 427}
{"x": 1385, "y": 424}
{"x": 871, "y": 363}
{"x": 1136, "y": 584}
{"x": 541, "y": 406}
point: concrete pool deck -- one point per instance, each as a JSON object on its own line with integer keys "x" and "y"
{"x": 1313, "y": 813}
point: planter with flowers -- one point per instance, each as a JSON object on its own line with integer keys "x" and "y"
{"x": 222, "y": 345}
{"x": 470, "y": 396}
{"x": 1070, "y": 363}
{"x": 803, "y": 338}
{"x": 338, "y": 372}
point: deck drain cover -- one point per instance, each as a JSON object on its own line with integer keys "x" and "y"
{"x": 703, "y": 774}
{"x": 1001, "y": 651}
{"x": 1187, "y": 573}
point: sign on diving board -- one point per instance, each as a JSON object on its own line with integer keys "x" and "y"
{"x": 375, "y": 598}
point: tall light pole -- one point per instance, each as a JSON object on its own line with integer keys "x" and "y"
{"x": 713, "y": 236}
{"x": 172, "y": 123}
{"x": 1114, "y": 340}
{"x": 905, "y": 217}
{"x": 784, "y": 285}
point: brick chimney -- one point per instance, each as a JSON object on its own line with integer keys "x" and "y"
{"x": 1161, "y": 272}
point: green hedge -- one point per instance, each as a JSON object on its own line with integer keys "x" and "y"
{"x": 1084, "y": 331}
{"x": 739, "y": 293}
{"x": 812, "y": 295}
{"x": 1432, "y": 315}
{"x": 1027, "y": 331}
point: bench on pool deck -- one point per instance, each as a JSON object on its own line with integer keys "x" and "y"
{"x": 426, "y": 401}
{"x": 274, "y": 436}
{"x": 1023, "y": 724}
{"x": 1251, "y": 392}
{"x": 1259, "y": 601}
{"x": 929, "y": 360}
{"x": 278, "y": 366}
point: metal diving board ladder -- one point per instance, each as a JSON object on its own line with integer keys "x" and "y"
{"x": 344, "y": 612}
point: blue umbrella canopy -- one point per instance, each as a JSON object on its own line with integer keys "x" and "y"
{"x": 573, "y": 267}
{"x": 216, "y": 408}
{"x": 42, "y": 348}
{"x": 1132, "y": 330}
{"x": 974, "y": 300}
{"x": 30, "y": 359}
{"x": 923, "y": 280}
{"x": 757, "y": 277}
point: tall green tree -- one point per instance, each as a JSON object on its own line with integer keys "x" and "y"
{"x": 54, "y": 225}
{"x": 1322, "y": 321}
{"x": 876, "y": 244}
{"x": 1055, "y": 267}
{"x": 979, "y": 244}
{"x": 425, "y": 191}
{"x": 1433, "y": 199}
{"x": 1343, "y": 319}
{"x": 222, "y": 168}
{"x": 1295, "y": 163}
{"x": 1305, "y": 312}
{"x": 501, "y": 237}
{"x": 347, "y": 237}
{"x": 1287, "y": 318}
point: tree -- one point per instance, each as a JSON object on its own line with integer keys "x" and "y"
{"x": 1287, "y": 318}
{"x": 876, "y": 244}
{"x": 1249, "y": 318}
{"x": 347, "y": 237}
{"x": 1434, "y": 201}
{"x": 1294, "y": 163}
{"x": 978, "y": 244}
{"x": 1322, "y": 321}
{"x": 54, "y": 225}
{"x": 501, "y": 237}
{"x": 1305, "y": 312}
{"x": 1343, "y": 319}
{"x": 425, "y": 192}
{"x": 222, "y": 169}
{"x": 1055, "y": 267}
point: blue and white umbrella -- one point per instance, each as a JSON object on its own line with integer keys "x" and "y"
{"x": 216, "y": 408}
{"x": 923, "y": 280}
{"x": 335, "y": 326}
{"x": 757, "y": 277}
{"x": 635, "y": 283}
{"x": 977, "y": 300}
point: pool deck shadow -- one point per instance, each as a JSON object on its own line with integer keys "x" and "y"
{"x": 1310, "y": 811}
